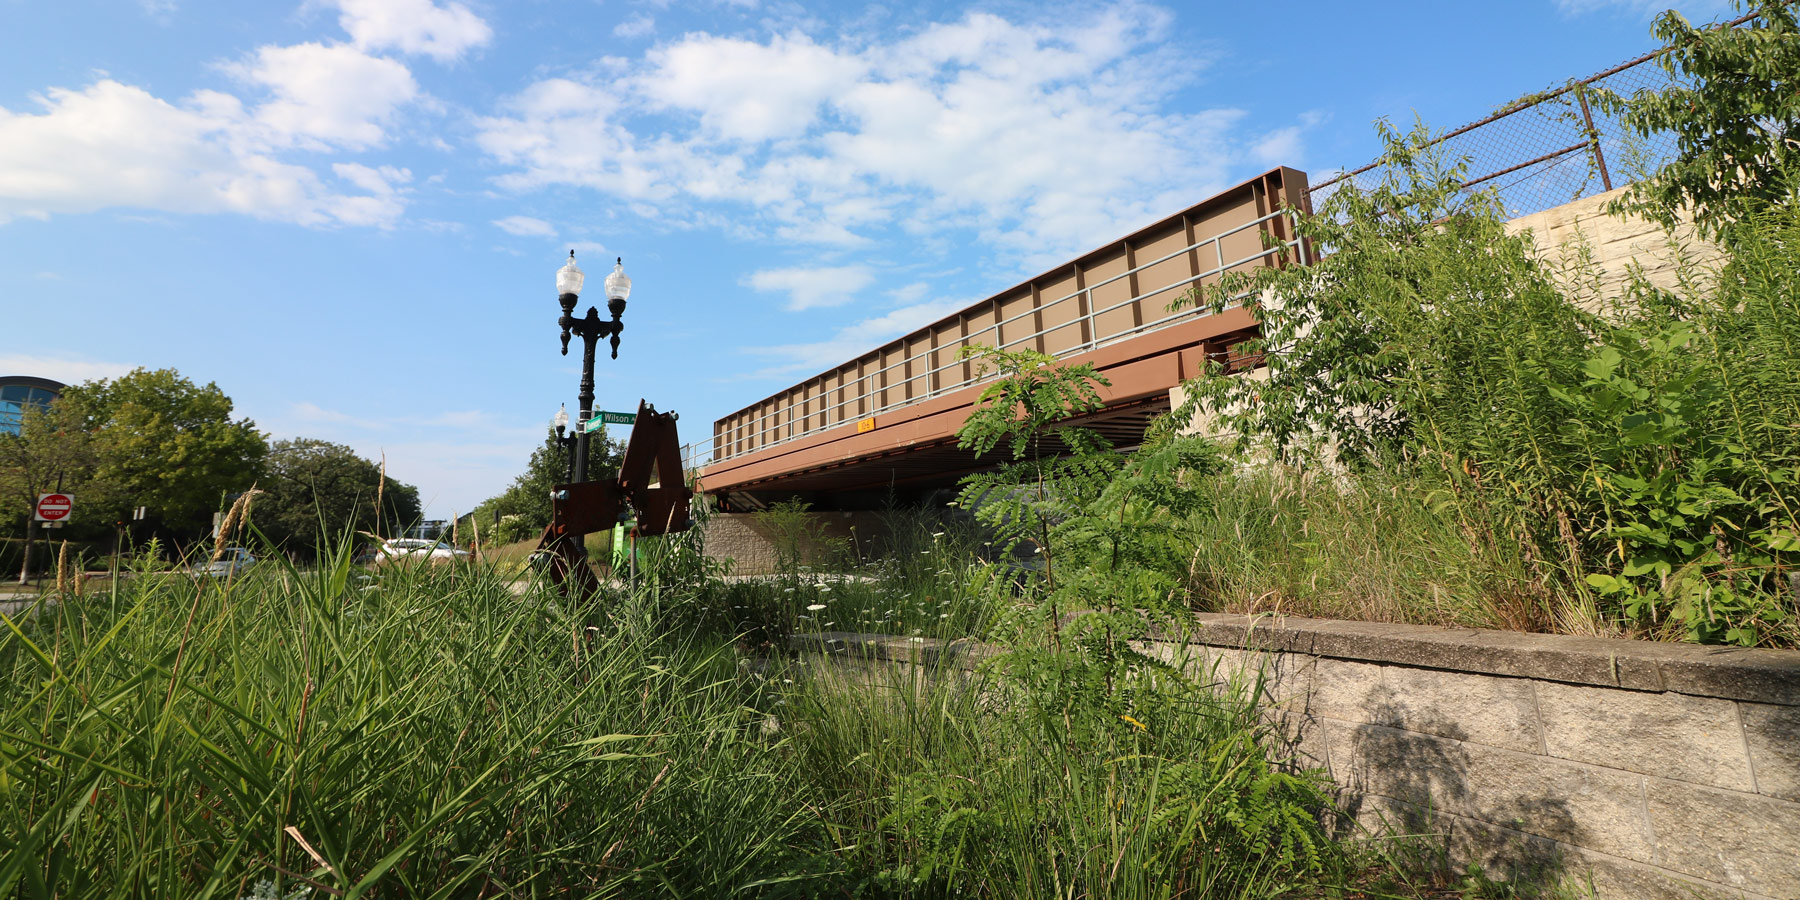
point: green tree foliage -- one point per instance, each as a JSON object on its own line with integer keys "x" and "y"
{"x": 1113, "y": 531}
{"x": 1734, "y": 112}
{"x": 1421, "y": 316}
{"x": 51, "y": 447}
{"x": 314, "y": 490}
{"x": 163, "y": 442}
{"x": 51, "y": 450}
{"x": 1052, "y": 467}
{"x": 1109, "y": 525}
{"x": 1111, "y": 528}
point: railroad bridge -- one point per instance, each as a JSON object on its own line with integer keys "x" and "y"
{"x": 883, "y": 425}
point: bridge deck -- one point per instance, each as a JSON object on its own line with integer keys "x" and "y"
{"x": 889, "y": 418}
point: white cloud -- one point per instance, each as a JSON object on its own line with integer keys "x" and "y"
{"x": 1280, "y": 147}
{"x": 910, "y": 293}
{"x": 637, "y": 26}
{"x": 465, "y": 419}
{"x": 848, "y": 342}
{"x": 326, "y": 95}
{"x": 115, "y": 145}
{"x": 562, "y": 132}
{"x": 1700, "y": 11}
{"x": 383, "y": 203}
{"x": 745, "y": 91}
{"x": 413, "y": 26}
{"x": 811, "y": 288}
{"x": 1042, "y": 137}
{"x": 312, "y": 413}
{"x": 66, "y": 368}
{"x": 526, "y": 226}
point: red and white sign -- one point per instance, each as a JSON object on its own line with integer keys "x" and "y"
{"x": 53, "y": 507}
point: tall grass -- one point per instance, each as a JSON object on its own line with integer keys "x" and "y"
{"x": 445, "y": 732}
{"x": 955, "y": 784}
{"x": 1376, "y": 546}
{"x": 430, "y": 734}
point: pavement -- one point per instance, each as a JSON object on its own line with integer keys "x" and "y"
{"x": 14, "y": 602}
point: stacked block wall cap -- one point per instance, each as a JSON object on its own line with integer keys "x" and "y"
{"x": 1731, "y": 673}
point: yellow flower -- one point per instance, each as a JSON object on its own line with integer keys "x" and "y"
{"x": 1135, "y": 723}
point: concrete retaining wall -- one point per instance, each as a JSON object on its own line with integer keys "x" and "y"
{"x": 1648, "y": 770}
{"x": 753, "y": 545}
{"x": 1615, "y": 244}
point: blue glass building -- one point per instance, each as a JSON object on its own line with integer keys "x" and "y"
{"x": 19, "y": 392}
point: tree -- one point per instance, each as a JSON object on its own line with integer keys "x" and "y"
{"x": 163, "y": 442}
{"x": 1734, "y": 112}
{"x": 50, "y": 451}
{"x": 315, "y": 489}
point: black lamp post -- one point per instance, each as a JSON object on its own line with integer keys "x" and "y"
{"x": 591, "y": 330}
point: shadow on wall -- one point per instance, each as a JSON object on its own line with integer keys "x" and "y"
{"x": 1404, "y": 768}
{"x": 1403, "y": 782}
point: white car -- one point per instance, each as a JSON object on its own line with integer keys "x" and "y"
{"x": 231, "y": 561}
{"x": 410, "y": 551}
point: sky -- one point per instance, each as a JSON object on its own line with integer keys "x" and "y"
{"x": 348, "y": 214}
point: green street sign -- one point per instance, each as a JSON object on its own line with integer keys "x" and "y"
{"x": 604, "y": 418}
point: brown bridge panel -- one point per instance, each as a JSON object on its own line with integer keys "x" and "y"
{"x": 1141, "y": 368}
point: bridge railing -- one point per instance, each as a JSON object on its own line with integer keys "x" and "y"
{"x": 765, "y": 430}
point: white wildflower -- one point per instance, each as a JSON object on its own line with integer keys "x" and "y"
{"x": 815, "y": 607}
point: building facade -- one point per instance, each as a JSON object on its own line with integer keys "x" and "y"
{"x": 19, "y": 393}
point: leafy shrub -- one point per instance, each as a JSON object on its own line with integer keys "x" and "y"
{"x": 1648, "y": 454}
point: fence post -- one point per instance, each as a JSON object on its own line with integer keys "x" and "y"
{"x": 1593, "y": 137}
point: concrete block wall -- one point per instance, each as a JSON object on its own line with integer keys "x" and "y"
{"x": 1642, "y": 770}
{"x": 1646, "y": 770}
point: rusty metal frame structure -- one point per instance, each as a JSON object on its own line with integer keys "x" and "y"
{"x": 1109, "y": 306}
{"x": 651, "y": 482}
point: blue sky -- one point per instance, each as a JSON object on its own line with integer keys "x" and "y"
{"x": 349, "y": 213}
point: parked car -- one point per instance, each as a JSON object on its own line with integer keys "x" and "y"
{"x": 414, "y": 551}
{"x": 232, "y": 561}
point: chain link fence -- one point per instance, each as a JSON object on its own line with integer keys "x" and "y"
{"x": 1550, "y": 148}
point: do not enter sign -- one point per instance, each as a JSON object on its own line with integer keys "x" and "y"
{"x": 53, "y": 507}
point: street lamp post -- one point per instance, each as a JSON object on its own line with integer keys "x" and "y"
{"x": 565, "y": 441}
{"x": 591, "y": 329}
